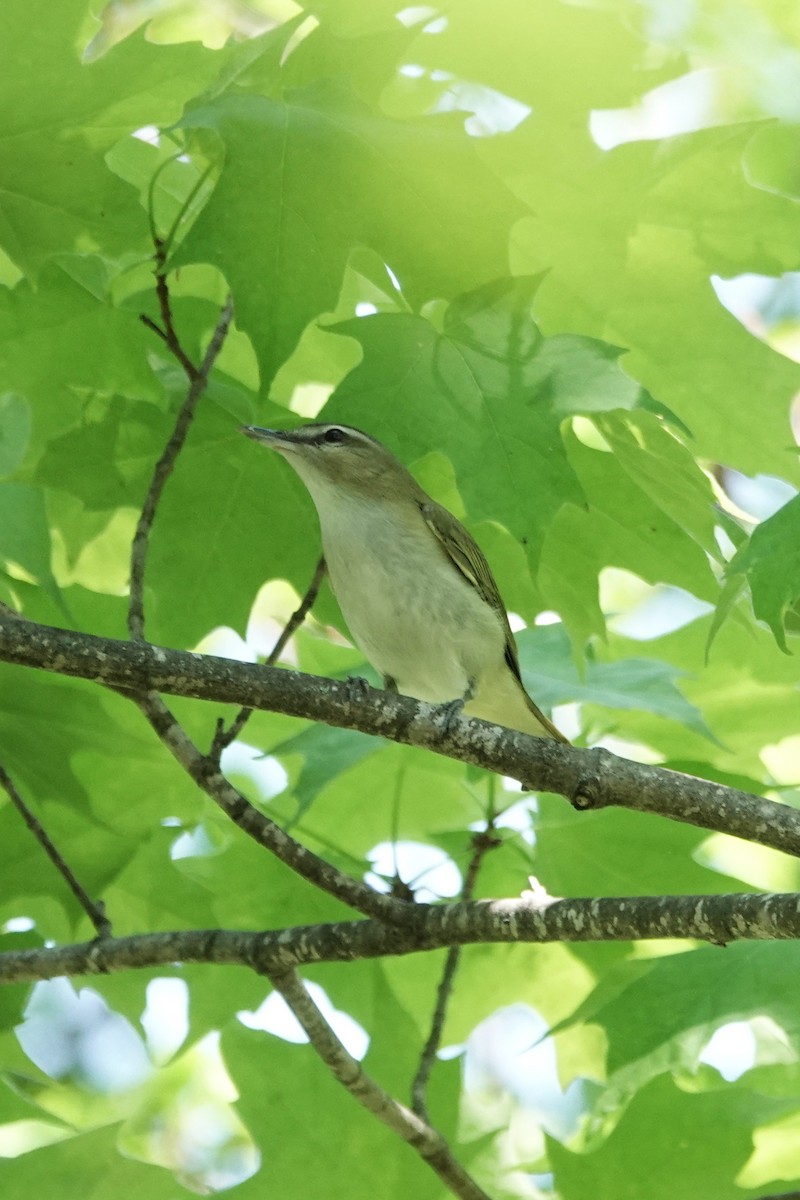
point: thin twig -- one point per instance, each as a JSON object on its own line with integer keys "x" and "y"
{"x": 428, "y": 1143}
{"x": 299, "y": 615}
{"x": 163, "y": 247}
{"x": 223, "y": 737}
{"x": 163, "y": 469}
{"x": 481, "y": 843}
{"x": 208, "y": 777}
{"x": 153, "y": 325}
{"x": 95, "y": 910}
{"x": 165, "y": 307}
{"x": 170, "y": 334}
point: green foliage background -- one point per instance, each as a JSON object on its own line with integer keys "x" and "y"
{"x": 544, "y": 347}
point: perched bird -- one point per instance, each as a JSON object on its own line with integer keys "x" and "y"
{"x": 417, "y": 593}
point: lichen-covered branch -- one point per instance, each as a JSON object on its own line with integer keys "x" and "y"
{"x": 588, "y": 778}
{"x": 530, "y": 918}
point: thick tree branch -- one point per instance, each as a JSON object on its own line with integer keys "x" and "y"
{"x": 429, "y": 1144}
{"x": 531, "y": 918}
{"x": 588, "y": 778}
{"x": 94, "y": 911}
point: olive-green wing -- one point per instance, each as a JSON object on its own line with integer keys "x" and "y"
{"x": 467, "y": 556}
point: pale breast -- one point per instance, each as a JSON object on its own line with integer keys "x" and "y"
{"x": 407, "y": 607}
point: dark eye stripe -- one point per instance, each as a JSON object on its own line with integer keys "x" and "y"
{"x": 332, "y": 435}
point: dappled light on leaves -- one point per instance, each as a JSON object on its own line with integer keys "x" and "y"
{"x": 548, "y": 254}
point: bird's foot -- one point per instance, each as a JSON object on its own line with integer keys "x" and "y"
{"x": 448, "y": 713}
{"x": 357, "y": 687}
{"x": 451, "y": 710}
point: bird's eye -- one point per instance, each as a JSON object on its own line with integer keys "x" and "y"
{"x": 334, "y": 435}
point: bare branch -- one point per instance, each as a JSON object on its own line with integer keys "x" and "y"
{"x": 94, "y": 910}
{"x": 482, "y": 843}
{"x": 527, "y": 919}
{"x": 170, "y": 334}
{"x": 586, "y": 777}
{"x": 429, "y": 1144}
{"x": 163, "y": 468}
{"x": 153, "y": 326}
{"x": 300, "y": 613}
{"x": 223, "y": 737}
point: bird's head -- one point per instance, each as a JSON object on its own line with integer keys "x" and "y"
{"x": 336, "y": 458}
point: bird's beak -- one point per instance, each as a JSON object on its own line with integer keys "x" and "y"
{"x": 276, "y": 439}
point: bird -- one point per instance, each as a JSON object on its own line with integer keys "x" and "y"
{"x": 414, "y": 587}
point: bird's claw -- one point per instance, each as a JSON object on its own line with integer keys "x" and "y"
{"x": 357, "y": 687}
{"x": 448, "y": 713}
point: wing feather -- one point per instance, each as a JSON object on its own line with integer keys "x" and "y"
{"x": 468, "y": 558}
